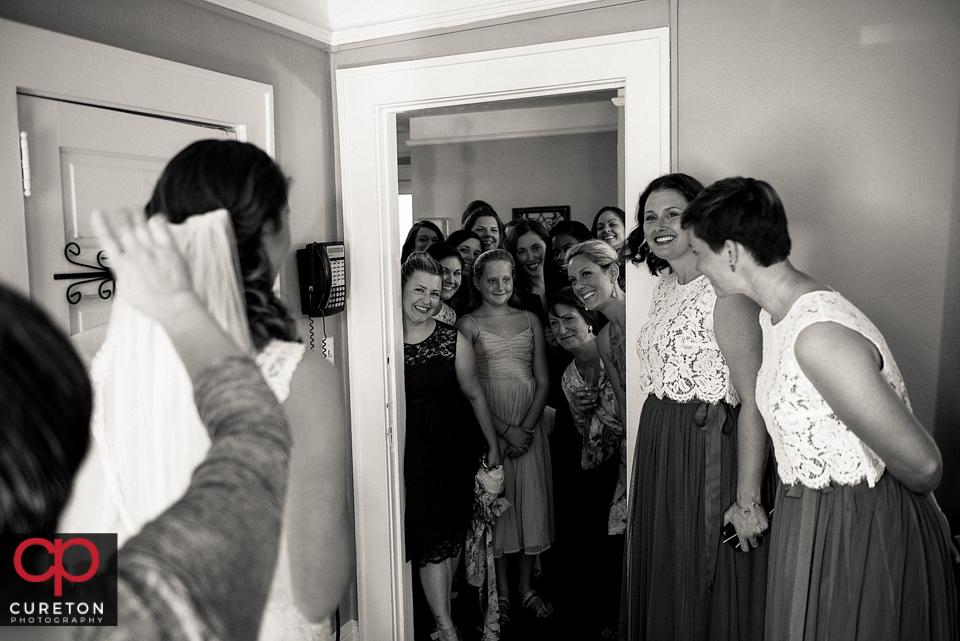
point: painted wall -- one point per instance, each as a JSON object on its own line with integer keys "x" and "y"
{"x": 299, "y": 73}
{"x": 850, "y": 110}
{"x": 576, "y": 170}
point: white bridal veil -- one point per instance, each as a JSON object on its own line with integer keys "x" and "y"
{"x": 147, "y": 435}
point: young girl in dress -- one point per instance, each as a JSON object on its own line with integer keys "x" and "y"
{"x": 511, "y": 358}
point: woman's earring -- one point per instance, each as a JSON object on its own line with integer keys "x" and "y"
{"x": 589, "y": 329}
{"x": 733, "y": 267}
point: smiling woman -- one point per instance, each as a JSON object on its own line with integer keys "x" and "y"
{"x": 608, "y": 226}
{"x": 701, "y": 447}
{"x": 486, "y": 224}
{"x": 443, "y": 436}
{"x": 451, "y": 264}
{"x": 420, "y": 237}
{"x": 537, "y": 274}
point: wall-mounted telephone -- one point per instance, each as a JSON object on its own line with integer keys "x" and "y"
{"x": 323, "y": 284}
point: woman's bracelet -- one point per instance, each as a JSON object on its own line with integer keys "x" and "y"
{"x": 746, "y": 510}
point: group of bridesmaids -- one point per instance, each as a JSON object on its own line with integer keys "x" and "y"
{"x": 739, "y": 350}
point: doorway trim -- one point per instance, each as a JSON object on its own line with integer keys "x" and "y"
{"x": 54, "y": 65}
{"x": 368, "y": 100}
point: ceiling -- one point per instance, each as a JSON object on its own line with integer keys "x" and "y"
{"x": 337, "y": 22}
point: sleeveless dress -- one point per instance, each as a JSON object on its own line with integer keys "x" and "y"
{"x": 680, "y": 582}
{"x": 441, "y": 453}
{"x": 854, "y": 553}
{"x": 506, "y": 374}
{"x": 282, "y": 620}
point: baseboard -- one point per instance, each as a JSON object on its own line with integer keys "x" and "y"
{"x": 350, "y": 631}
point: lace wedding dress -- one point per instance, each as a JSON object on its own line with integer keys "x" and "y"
{"x": 147, "y": 437}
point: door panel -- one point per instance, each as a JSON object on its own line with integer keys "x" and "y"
{"x": 84, "y": 158}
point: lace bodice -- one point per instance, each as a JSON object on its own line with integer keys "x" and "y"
{"x": 679, "y": 355}
{"x": 446, "y": 315}
{"x": 812, "y": 446}
{"x": 277, "y": 362}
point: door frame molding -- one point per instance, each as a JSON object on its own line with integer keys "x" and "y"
{"x": 368, "y": 100}
{"x": 54, "y": 65}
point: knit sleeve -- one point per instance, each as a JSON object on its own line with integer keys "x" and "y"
{"x": 203, "y": 568}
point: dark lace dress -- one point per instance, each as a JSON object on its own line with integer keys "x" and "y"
{"x": 443, "y": 446}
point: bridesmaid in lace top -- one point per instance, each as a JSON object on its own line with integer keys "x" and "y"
{"x": 859, "y": 547}
{"x": 700, "y": 449}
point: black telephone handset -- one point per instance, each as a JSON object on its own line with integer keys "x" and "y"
{"x": 323, "y": 284}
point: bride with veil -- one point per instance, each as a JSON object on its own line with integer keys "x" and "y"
{"x": 228, "y": 203}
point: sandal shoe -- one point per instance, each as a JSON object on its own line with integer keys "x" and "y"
{"x": 449, "y": 634}
{"x": 503, "y": 606}
{"x": 532, "y": 601}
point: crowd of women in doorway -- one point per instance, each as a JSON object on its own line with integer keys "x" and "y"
{"x": 491, "y": 311}
{"x": 781, "y": 486}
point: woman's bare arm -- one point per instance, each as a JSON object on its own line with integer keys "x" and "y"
{"x": 466, "y": 365}
{"x": 737, "y": 328}
{"x": 845, "y": 366}
{"x": 603, "y": 344}
{"x": 540, "y": 375}
{"x": 318, "y": 514}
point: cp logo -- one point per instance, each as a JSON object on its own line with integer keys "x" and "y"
{"x": 56, "y": 571}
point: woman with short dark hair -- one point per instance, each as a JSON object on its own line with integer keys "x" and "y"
{"x": 859, "y": 548}
{"x": 564, "y": 235}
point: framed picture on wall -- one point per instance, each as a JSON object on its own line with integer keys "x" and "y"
{"x": 441, "y": 223}
{"x": 546, "y": 216}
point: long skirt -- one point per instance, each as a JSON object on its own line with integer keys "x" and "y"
{"x": 680, "y": 581}
{"x": 855, "y": 562}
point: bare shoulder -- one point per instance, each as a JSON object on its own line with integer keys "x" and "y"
{"x": 314, "y": 371}
{"x": 827, "y": 346}
{"x": 533, "y": 319}
{"x": 466, "y": 326}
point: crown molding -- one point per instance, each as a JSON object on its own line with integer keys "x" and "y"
{"x": 445, "y": 19}
{"x": 435, "y": 20}
{"x": 276, "y": 18}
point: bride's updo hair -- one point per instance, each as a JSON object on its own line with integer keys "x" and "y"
{"x": 244, "y": 180}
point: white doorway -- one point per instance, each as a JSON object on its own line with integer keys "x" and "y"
{"x": 368, "y": 100}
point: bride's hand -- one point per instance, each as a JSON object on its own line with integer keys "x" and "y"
{"x": 152, "y": 275}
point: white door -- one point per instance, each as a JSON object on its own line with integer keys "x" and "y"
{"x": 83, "y": 158}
